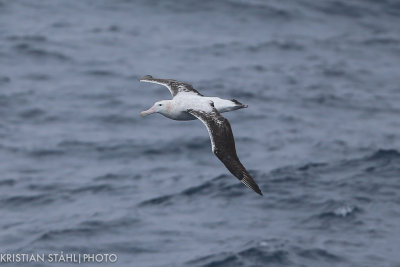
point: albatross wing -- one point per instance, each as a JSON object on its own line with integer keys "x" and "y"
{"x": 223, "y": 144}
{"x": 174, "y": 86}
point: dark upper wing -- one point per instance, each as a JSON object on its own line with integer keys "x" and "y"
{"x": 175, "y": 87}
{"x": 223, "y": 145}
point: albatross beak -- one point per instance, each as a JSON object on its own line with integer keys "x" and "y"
{"x": 148, "y": 112}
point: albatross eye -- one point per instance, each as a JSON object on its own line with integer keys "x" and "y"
{"x": 160, "y": 105}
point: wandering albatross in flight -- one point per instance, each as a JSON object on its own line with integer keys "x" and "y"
{"x": 188, "y": 104}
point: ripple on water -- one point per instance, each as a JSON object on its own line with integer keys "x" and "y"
{"x": 40, "y": 53}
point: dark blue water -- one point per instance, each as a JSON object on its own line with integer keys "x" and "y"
{"x": 81, "y": 172}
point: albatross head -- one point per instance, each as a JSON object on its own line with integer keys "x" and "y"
{"x": 158, "y": 107}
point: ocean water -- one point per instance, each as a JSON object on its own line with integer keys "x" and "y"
{"x": 81, "y": 172}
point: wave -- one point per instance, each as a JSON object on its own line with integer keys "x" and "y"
{"x": 340, "y": 8}
{"x": 43, "y": 152}
{"x": 132, "y": 148}
{"x": 333, "y": 214}
{"x": 262, "y": 10}
{"x": 32, "y": 113}
{"x": 26, "y": 200}
{"x": 131, "y": 248}
{"x": 37, "y": 76}
{"x": 94, "y": 189}
{"x": 40, "y": 53}
{"x": 110, "y": 149}
{"x": 320, "y": 255}
{"x": 114, "y": 177}
{"x": 384, "y": 154}
{"x": 28, "y": 38}
{"x": 282, "y": 184}
{"x": 310, "y": 166}
{"x": 225, "y": 49}
{"x": 15, "y": 100}
{"x": 89, "y": 228}
{"x": 5, "y": 79}
{"x": 217, "y": 187}
{"x": 382, "y": 41}
{"x": 270, "y": 252}
{"x": 115, "y": 119}
{"x": 393, "y": 8}
{"x": 7, "y": 182}
{"x": 341, "y": 212}
{"x": 111, "y": 225}
{"x": 176, "y": 146}
{"x": 285, "y": 45}
{"x": 101, "y": 73}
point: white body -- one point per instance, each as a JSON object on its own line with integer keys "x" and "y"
{"x": 185, "y": 97}
{"x": 177, "y": 107}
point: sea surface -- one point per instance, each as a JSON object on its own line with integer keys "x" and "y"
{"x": 82, "y": 172}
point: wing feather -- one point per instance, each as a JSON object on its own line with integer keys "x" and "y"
{"x": 223, "y": 145}
{"x": 175, "y": 87}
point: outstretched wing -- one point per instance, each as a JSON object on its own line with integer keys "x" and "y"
{"x": 175, "y": 87}
{"x": 223, "y": 144}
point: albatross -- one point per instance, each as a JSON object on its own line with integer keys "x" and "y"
{"x": 188, "y": 104}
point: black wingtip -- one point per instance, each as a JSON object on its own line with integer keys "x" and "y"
{"x": 257, "y": 189}
{"x": 250, "y": 183}
{"x": 239, "y": 104}
{"x": 146, "y": 77}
